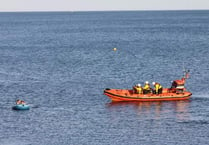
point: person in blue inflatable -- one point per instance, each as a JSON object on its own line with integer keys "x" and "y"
{"x": 18, "y": 102}
{"x": 23, "y": 102}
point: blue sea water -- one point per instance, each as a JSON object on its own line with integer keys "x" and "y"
{"x": 60, "y": 63}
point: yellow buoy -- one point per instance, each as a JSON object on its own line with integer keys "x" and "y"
{"x": 114, "y": 49}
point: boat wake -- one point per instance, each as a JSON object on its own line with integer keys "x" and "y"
{"x": 194, "y": 96}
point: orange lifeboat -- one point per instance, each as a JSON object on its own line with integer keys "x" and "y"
{"x": 177, "y": 91}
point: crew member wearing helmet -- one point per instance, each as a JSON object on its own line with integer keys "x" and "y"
{"x": 146, "y": 88}
{"x": 138, "y": 89}
{"x": 158, "y": 88}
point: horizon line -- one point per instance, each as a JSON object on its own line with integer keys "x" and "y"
{"x": 101, "y": 10}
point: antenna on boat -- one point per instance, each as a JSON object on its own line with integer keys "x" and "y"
{"x": 186, "y": 72}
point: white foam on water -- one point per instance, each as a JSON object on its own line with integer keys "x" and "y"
{"x": 200, "y": 96}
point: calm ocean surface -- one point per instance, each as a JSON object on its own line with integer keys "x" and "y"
{"x": 60, "y": 63}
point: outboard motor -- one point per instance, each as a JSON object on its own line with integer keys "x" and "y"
{"x": 178, "y": 85}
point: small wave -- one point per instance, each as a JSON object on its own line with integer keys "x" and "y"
{"x": 195, "y": 122}
{"x": 35, "y": 106}
{"x": 10, "y": 141}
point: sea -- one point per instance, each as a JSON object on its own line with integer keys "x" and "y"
{"x": 59, "y": 63}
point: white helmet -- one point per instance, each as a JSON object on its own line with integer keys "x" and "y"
{"x": 139, "y": 85}
{"x": 153, "y": 83}
{"x": 146, "y": 82}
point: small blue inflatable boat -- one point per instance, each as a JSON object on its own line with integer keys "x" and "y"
{"x": 21, "y": 107}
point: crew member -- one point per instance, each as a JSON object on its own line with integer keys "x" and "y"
{"x": 147, "y": 88}
{"x": 158, "y": 88}
{"x": 138, "y": 89}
